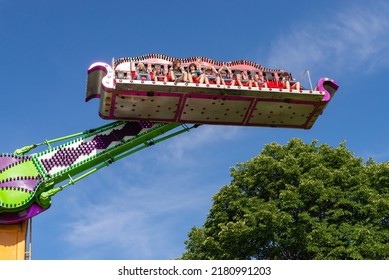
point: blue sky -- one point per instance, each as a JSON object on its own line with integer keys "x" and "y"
{"x": 144, "y": 206}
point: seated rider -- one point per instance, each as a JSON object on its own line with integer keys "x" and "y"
{"x": 158, "y": 74}
{"x": 211, "y": 75}
{"x": 225, "y": 75}
{"x": 177, "y": 72}
{"x": 257, "y": 80}
{"x": 289, "y": 82}
{"x": 194, "y": 74}
{"x": 239, "y": 78}
{"x": 142, "y": 73}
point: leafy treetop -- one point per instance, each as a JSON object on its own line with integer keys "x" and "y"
{"x": 298, "y": 201}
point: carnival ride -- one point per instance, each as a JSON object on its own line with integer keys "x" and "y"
{"x": 146, "y": 112}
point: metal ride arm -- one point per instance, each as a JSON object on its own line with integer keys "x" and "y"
{"x": 44, "y": 197}
{"x": 27, "y": 182}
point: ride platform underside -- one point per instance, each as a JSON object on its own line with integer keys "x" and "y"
{"x": 124, "y": 98}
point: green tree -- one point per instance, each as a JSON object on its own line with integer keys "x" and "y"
{"x": 298, "y": 201}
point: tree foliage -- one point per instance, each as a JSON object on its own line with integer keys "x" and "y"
{"x": 298, "y": 201}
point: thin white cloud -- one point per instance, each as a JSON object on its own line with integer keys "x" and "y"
{"x": 353, "y": 39}
{"x": 152, "y": 208}
{"x": 178, "y": 149}
{"x": 137, "y": 219}
{"x": 379, "y": 157}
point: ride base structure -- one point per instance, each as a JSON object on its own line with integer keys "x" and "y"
{"x": 146, "y": 112}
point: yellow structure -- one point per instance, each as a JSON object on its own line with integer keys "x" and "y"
{"x": 13, "y": 241}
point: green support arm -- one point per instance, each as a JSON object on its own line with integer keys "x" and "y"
{"x": 27, "y": 182}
